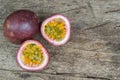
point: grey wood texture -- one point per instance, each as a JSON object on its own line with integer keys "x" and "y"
{"x": 93, "y": 52}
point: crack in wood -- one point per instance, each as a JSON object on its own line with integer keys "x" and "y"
{"x": 97, "y": 26}
{"x": 102, "y": 78}
{"x": 112, "y": 11}
{"x": 83, "y": 7}
{"x": 91, "y": 9}
{"x": 24, "y": 74}
{"x": 82, "y": 76}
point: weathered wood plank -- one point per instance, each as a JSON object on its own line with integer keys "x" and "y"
{"x": 6, "y": 75}
{"x": 16, "y": 75}
{"x": 93, "y": 50}
{"x": 74, "y": 59}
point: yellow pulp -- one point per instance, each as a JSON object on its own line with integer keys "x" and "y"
{"x": 55, "y": 29}
{"x": 32, "y": 55}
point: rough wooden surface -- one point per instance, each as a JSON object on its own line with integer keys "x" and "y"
{"x": 93, "y": 52}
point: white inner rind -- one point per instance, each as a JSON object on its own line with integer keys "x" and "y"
{"x": 42, "y": 65}
{"x": 67, "y": 29}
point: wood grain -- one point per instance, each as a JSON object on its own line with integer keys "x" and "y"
{"x": 92, "y": 52}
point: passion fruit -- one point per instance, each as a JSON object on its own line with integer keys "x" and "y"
{"x": 56, "y": 29}
{"x": 32, "y": 56}
{"x": 21, "y": 25}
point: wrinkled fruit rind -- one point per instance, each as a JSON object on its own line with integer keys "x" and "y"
{"x": 21, "y": 25}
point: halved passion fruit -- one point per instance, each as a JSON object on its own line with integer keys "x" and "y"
{"x": 56, "y": 30}
{"x": 32, "y": 56}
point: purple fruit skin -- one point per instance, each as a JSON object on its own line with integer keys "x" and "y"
{"x": 21, "y": 25}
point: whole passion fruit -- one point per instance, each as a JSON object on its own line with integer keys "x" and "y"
{"x": 32, "y": 56}
{"x": 21, "y": 25}
{"x": 56, "y": 29}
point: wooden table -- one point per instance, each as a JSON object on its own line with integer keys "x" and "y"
{"x": 93, "y": 52}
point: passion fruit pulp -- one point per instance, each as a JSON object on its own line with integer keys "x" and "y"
{"x": 32, "y": 56}
{"x": 56, "y": 29}
{"x": 21, "y": 25}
